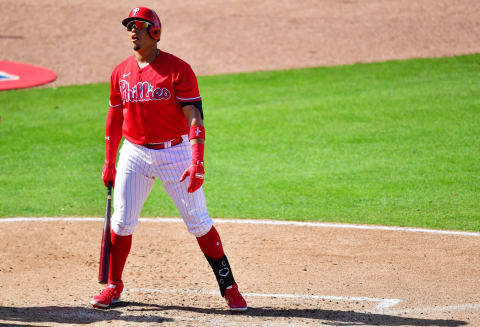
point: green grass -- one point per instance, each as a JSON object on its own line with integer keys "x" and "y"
{"x": 394, "y": 143}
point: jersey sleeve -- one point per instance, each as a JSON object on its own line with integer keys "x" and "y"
{"x": 115, "y": 95}
{"x": 186, "y": 86}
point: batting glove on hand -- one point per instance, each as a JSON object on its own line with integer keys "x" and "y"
{"x": 108, "y": 174}
{"x": 196, "y": 173}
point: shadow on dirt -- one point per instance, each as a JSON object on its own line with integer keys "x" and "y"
{"x": 330, "y": 317}
{"x": 137, "y": 312}
{"x": 74, "y": 315}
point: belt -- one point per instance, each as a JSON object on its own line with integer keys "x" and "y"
{"x": 163, "y": 145}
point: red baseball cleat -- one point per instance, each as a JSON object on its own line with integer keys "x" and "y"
{"x": 234, "y": 299}
{"x": 111, "y": 294}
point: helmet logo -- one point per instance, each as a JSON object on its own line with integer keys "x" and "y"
{"x": 135, "y": 11}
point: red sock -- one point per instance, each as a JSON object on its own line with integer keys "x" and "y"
{"x": 210, "y": 244}
{"x": 118, "y": 256}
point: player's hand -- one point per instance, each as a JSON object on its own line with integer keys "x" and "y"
{"x": 196, "y": 172}
{"x": 108, "y": 174}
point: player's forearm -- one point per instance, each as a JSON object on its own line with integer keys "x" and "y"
{"x": 194, "y": 118}
{"x": 113, "y": 134}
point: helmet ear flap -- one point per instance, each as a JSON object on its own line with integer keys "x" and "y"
{"x": 154, "y": 32}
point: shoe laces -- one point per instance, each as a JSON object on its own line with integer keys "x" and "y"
{"x": 108, "y": 291}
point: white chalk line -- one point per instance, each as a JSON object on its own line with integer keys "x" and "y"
{"x": 262, "y": 222}
{"x": 382, "y": 303}
{"x": 435, "y": 309}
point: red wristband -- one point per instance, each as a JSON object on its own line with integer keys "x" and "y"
{"x": 196, "y": 132}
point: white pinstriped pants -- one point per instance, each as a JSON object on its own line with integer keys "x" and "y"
{"x": 136, "y": 172}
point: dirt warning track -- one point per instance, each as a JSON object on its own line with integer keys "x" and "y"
{"x": 82, "y": 41}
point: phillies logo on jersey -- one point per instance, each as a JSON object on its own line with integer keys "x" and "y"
{"x": 142, "y": 91}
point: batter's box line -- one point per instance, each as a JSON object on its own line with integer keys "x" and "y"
{"x": 259, "y": 222}
{"x": 435, "y": 309}
{"x": 383, "y": 304}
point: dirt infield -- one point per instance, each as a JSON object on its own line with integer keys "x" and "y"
{"x": 292, "y": 275}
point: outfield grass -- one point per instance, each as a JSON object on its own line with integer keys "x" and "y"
{"x": 394, "y": 143}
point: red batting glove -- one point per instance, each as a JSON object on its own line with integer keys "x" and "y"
{"x": 196, "y": 170}
{"x": 108, "y": 174}
{"x": 196, "y": 173}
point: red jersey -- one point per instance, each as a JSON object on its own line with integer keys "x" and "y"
{"x": 150, "y": 97}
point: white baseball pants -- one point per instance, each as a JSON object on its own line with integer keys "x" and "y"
{"x": 136, "y": 172}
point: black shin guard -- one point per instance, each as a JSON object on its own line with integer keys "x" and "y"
{"x": 223, "y": 272}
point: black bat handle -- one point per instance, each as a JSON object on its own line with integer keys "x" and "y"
{"x": 108, "y": 210}
{"x": 106, "y": 243}
{"x": 109, "y": 188}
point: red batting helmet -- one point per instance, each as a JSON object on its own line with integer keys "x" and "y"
{"x": 148, "y": 15}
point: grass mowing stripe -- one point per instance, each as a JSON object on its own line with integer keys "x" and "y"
{"x": 392, "y": 143}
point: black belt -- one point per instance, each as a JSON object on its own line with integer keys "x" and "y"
{"x": 163, "y": 145}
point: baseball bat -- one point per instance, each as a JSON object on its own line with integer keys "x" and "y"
{"x": 106, "y": 241}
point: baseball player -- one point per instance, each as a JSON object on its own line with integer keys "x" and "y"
{"x": 156, "y": 106}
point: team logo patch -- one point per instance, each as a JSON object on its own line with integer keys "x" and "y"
{"x": 8, "y": 77}
{"x": 142, "y": 91}
{"x": 135, "y": 11}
